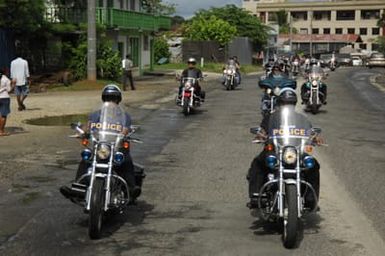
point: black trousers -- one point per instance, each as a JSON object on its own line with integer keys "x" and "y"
{"x": 258, "y": 171}
{"x": 127, "y": 76}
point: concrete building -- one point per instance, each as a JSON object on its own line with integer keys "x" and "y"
{"x": 339, "y": 17}
{"x": 130, "y": 29}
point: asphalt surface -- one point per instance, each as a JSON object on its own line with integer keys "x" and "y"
{"x": 195, "y": 192}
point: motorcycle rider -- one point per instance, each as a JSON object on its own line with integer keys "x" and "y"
{"x": 110, "y": 93}
{"x": 258, "y": 169}
{"x": 322, "y": 88}
{"x": 232, "y": 62}
{"x": 194, "y": 72}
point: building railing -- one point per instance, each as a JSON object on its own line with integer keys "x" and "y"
{"x": 110, "y": 17}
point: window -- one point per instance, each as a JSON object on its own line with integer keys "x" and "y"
{"x": 315, "y": 31}
{"x": 299, "y": 15}
{"x": 339, "y": 31}
{"x": 375, "y": 47}
{"x": 363, "y": 46}
{"x": 101, "y": 3}
{"x": 351, "y": 31}
{"x": 346, "y": 15}
{"x": 132, "y": 6}
{"x": 370, "y": 14}
{"x": 363, "y": 31}
{"x": 326, "y": 31}
{"x": 375, "y": 31}
{"x": 322, "y": 15}
{"x": 303, "y": 31}
{"x": 272, "y": 17}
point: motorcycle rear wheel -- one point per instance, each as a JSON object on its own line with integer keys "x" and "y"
{"x": 291, "y": 221}
{"x": 96, "y": 210}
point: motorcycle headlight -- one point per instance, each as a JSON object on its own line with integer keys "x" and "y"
{"x": 271, "y": 161}
{"x": 308, "y": 162}
{"x": 314, "y": 83}
{"x": 104, "y": 151}
{"x": 289, "y": 155}
{"x": 86, "y": 154}
{"x": 229, "y": 72}
{"x": 118, "y": 157}
{"x": 187, "y": 85}
{"x": 277, "y": 91}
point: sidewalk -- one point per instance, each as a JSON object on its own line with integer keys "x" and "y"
{"x": 80, "y": 102}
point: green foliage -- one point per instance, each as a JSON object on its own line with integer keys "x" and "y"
{"x": 107, "y": 60}
{"x": 158, "y": 7}
{"x": 22, "y": 17}
{"x": 161, "y": 49}
{"x": 285, "y": 29}
{"x": 246, "y": 24}
{"x": 381, "y": 20}
{"x": 211, "y": 28}
{"x": 281, "y": 18}
{"x": 381, "y": 43}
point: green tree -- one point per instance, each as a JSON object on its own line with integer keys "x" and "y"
{"x": 246, "y": 24}
{"x": 22, "y": 17}
{"x": 381, "y": 22}
{"x": 212, "y": 28}
{"x": 161, "y": 49}
{"x": 158, "y": 7}
{"x": 381, "y": 43}
{"x": 281, "y": 17}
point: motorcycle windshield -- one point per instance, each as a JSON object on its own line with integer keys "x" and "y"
{"x": 316, "y": 73}
{"x": 112, "y": 122}
{"x": 289, "y": 128}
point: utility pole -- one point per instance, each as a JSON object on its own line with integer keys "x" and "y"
{"x": 91, "y": 40}
{"x": 311, "y": 34}
{"x": 290, "y": 33}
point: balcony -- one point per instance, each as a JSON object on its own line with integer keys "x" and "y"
{"x": 132, "y": 20}
{"x": 112, "y": 18}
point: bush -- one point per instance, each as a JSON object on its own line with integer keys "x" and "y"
{"x": 107, "y": 60}
{"x": 161, "y": 49}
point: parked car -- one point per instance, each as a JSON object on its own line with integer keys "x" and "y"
{"x": 376, "y": 60}
{"x": 356, "y": 61}
{"x": 344, "y": 59}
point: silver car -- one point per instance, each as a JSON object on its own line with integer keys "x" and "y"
{"x": 376, "y": 60}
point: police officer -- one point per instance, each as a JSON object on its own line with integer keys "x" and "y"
{"x": 110, "y": 93}
{"x": 258, "y": 170}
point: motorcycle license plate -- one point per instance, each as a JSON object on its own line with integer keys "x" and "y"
{"x": 187, "y": 94}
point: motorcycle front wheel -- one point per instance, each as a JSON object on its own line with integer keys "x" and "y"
{"x": 186, "y": 107}
{"x": 290, "y": 220}
{"x": 96, "y": 210}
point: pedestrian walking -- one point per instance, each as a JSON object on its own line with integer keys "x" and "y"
{"x": 20, "y": 79}
{"x": 127, "y": 65}
{"x": 5, "y": 101}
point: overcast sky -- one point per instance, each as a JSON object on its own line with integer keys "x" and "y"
{"x": 187, "y": 8}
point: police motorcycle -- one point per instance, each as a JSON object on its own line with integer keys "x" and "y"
{"x": 272, "y": 89}
{"x": 230, "y": 77}
{"x": 313, "y": 89}
{"x": 188, "y": 100}
{"x": 286, "y": 196}
{"x": 101, "y": 190}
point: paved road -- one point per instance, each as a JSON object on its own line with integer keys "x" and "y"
{"x": 195, "y": 192}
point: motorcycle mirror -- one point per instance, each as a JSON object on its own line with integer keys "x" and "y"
{"x": 75, "y": 125}
{"x": 255, "y": 130}
{"x": 316, "y": 130}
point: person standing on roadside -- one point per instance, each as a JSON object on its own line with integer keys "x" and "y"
{"x": 127, "y": 65}
{"x": 5, "y": 101}
{"x": 20, "y": 79}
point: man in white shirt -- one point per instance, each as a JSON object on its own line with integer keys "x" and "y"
{"x": 127, "y": 72}
{"x": 20, "y": 78}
